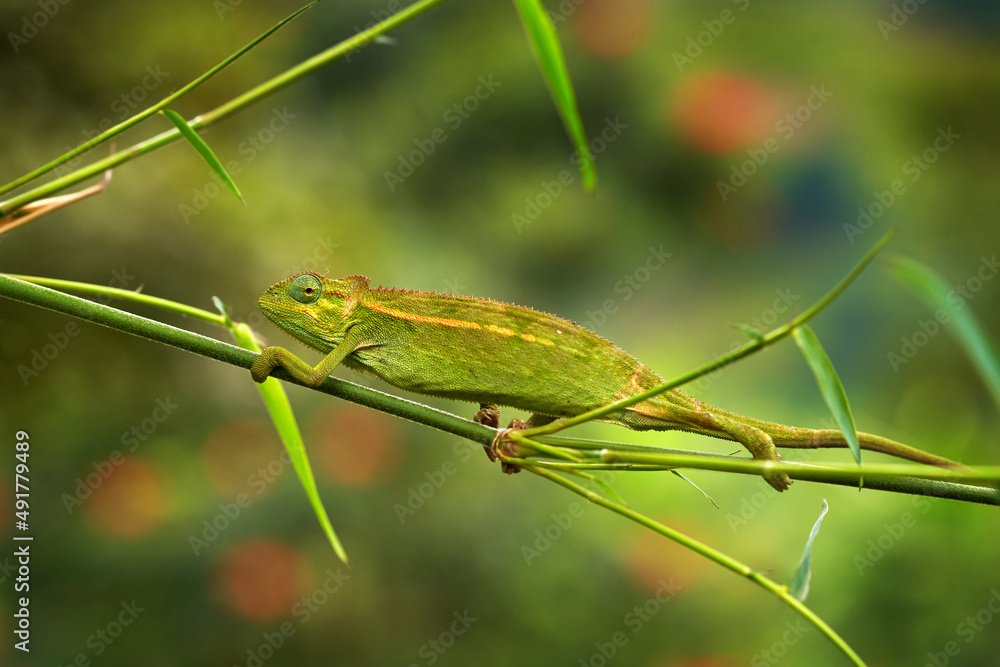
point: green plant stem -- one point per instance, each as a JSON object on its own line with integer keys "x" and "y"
{"x": 209, "y": 347}
{"x": 728, "y": 562}
{"x": 576, "y": 448}
{"x": 726, "y": 359}
{"x": 126, "y": 295}
{"x": 896, "y": 478}
{"x": 141, "y": 116}
{"x": 223, "y": 111}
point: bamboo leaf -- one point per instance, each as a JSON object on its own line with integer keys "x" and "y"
{"x": 548, "y": 53}
{"x": 280, "y": 409}
{"x": 940, "y": 296}
{"x": 203, "y": 149}
{"x": 798, "y": 587}
{"x": 829, "y": 385}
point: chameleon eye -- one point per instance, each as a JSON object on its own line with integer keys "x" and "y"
{"x": 305, "y": 289}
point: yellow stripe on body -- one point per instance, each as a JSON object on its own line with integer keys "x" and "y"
{"x": 412, "y": 317}
{"x": 447, "y": 322}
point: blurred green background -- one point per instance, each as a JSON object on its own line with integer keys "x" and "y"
{"x": 137, "y": 449}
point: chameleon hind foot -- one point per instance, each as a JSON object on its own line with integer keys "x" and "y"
{"x": 489, "y": 415}
{"x": 498, "y": 447}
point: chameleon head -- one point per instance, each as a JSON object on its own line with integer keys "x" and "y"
{"x": 313, "y": 308}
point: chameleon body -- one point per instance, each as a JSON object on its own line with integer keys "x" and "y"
{"x": 499, "y": 354}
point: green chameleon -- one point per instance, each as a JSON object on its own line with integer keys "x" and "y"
{"x": 498, "y": 354}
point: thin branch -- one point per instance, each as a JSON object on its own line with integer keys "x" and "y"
{"x": 726, "y": 359}
{"x": 703, "y": 549}
{"x": 439, "y": 419}
{"x": 265, "y": 89}
{"x": 230, "y": 354}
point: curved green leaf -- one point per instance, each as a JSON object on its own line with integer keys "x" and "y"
{"x": 544, "y": 42}
{"x": 798, "y": 587}
{"x": 203, "y": 150}
{"x": 829, "y": 385}
{"x": 948, "y": 305}
{"x": 278, "y": 406}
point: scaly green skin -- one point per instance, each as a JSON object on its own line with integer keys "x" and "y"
{"x": 500, "y": 354}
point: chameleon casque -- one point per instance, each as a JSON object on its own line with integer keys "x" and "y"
{"x": 499, "y": 354}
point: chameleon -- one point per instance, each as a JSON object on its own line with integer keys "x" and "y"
{"x": 500, "y": 354}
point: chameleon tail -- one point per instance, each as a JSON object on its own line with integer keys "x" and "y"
{"x": 832, "y": 438}
{"x": 792, "y": 437}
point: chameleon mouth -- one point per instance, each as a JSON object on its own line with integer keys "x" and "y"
{"x": 274, "y": 311}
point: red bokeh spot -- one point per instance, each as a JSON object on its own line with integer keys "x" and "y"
{"x": 609, "y": 28}
{"x": 236, "y": 452}
{"x": 720, "y": 112}
{"x": 357, "y": 447}
{"x": 128, "y": 502}
{"x": 263, "y": 579}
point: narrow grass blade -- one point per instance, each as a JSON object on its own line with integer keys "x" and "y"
{"x": 948, "y": 305}
{"x": 149, "y": 111}
{"x": 203, "y": 150}
{"x": 798, "y": 587}
{"x": 829, "y": 385}
{"x": 276, "y": 401}
{"x": 544, "y": 42}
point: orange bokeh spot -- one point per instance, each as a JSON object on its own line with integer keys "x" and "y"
{"x": 609, "y": 28}
{"x": 128, "y": 502}
{"x": 357, "y": 447}
{"x": 720, "y": 112}
{"x": 236, "y": 451}
{"x": 650, "y": 560}
{"x": 263, "y": 579}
